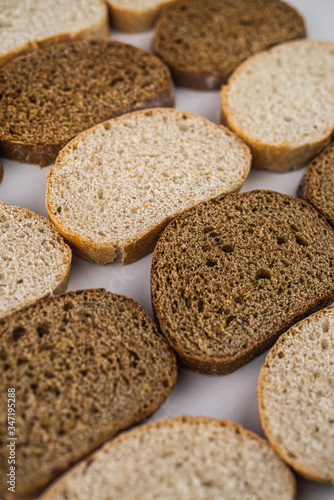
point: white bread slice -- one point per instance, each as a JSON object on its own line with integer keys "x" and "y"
{"x": 185, "y": 458}
{"x": 27, "y": 24}
{"x": 136, "y": 15}
{"x": 34, "y": 259}
{"x": 295, "y": 393}
{"x": 281, "y": 102}
{"x": 115, "y": 187}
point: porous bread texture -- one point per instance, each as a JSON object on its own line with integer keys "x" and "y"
{"x": 230, "y": 275}
{"x": 115, "y": 187}
{"x": 281, "y": 102}
{"x": 295, "y": 393}
{"x": 51, "y": 94}
{"x": 24, "y": 25}
{"x": 204, "y": 41}
{"x": 34, "y": 259}
{"x": 84, "y": 365}
{"x": 317, "y": 185}
{"x": 185, "y": 458}
{"x": 136, "y": 15}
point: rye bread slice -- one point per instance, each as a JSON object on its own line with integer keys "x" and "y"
{"x": 51, "y": 94}
{"x": 204, "y": 41}
{"x": 230, "y": 275}
{"x": 184, "y": 458}
{"x": 295, "y": 393}
{"x": 317, "y": 185}
{"x": 84, "y": 365}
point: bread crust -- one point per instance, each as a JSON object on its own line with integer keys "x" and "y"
{"x": 172, "y": 422}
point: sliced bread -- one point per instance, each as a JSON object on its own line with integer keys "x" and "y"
{"x": 51, "y": 94}
{"x": 317, "y": 185}
{"x": 281, "y": 102}
{"x": 25, "y": 25}
{"x": 84, "y": 365}
{"x": 115, "y": 187}
{"x": 184, "y": 458}
{"x": 204, "y": 41}
{"x": 34, "y": 260}
{"x": 295, "y": 394}
{"x": 230, "y": 275}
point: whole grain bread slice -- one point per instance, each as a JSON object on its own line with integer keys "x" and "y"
{"x": 84, "y": 365}
{"x": 295, "y": 393}
{"x": 184, "y": 458}
{"x": 230, "y": 275}
{"x": 51, "y": 94}
{"x": 115, "y": 187}
{"x": 203, "y": 42}
{"x": 34, "y": 259}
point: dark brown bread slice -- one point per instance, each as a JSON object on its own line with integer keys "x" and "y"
{"x": 232, "y": 274}
{"x": 203, "y": 42}
{"x": 317, "y": 185}
{"x": 51, "y": 94}
{"x": 84, "y": 366}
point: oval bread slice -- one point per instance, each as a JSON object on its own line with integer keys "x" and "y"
{"x": 185, "y": 458}
{"x": 84, "y": 366}
{"x": 115, "y": 187}
{"x": 34, "y": 259}
{"x": 295, "y": 393}
{"x": 281, "y": 102}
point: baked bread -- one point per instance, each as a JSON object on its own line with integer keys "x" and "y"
{"x": 204, "y": 41}
{"x": 136, "y": 15}
{"x": 26, "y": 25}
{"x": 230, "y": 275}
{"x": 34, "y": 260}
{"x": 115, "y": 187}
{"x": 184, "y": 458}
{"x": 281, "y": 103}
{"x": 50, "y": 95}
{"x": 317, "y": 185}
{"x": 295, "y": 393}
{"x": 85, "y": 365}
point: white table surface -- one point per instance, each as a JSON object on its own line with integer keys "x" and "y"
{"x": 233, "y": 396}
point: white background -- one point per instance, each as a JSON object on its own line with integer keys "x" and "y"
{"x": 233, "y": 396}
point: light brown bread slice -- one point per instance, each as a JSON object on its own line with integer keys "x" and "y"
{"x": 295, "y": 393}
{"x": 230, "y": 275}
{"x": 281, "y": 102}
{"x": 185, "y": 458}
{"x": 51, "y": 94}
{"x": 84, "y": 365}
{"x": 34, "y": 259}
{"x": 204, "y": 41}
{"x": 115, "y": 187}
{"x": 26, "y": 25}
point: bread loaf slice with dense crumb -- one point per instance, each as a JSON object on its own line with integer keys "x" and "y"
{"x": 281, "y": 102}
{"x": 184, "y": 458}
{"x": 230, "y": 275}
{"x": 34, "y": 259}
{"x": 136, "y": 15}
{"x": 84, "y": 365}
{"x": 295, "y": 393}
{"x": 115, "y": 187}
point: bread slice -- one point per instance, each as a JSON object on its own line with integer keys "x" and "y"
{"x": 115, "y": 187}
{"x": 184, "y": 458}
{"x": 281, "y": 103}
{"x": 204, "y": 41}
{"x": 295, "y": 392}
{"x": 85, "y": 365}
{"x": 317, "y": 185}
{"x": 34, "y": 259}
{"x": 136, "y": 15}
{"x": 26, "y": 25}
{"x": 50, "y": 95}
{"x": 230, "y": 275}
